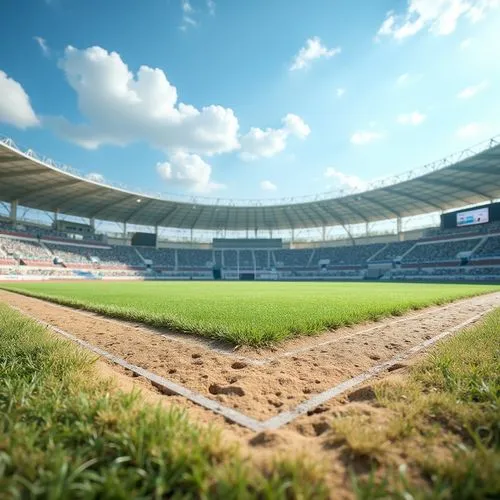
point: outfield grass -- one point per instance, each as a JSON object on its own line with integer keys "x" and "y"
{"x": 65, "y": 433}
{"x": 249, "y": 313}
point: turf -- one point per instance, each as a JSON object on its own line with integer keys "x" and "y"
{"x": 249, "y": 313}
{"x": 66, "y": 433}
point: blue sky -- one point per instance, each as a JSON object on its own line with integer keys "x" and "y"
{"x": 279, "y": 98}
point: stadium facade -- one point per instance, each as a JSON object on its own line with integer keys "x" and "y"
{"x": 461, "y": 188}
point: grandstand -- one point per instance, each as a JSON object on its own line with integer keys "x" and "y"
{"x": 462, "y": 189}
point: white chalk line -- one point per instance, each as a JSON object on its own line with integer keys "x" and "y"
{"x": 228, "y": 413}
{"x": 288, "y": 416}
{"x": 205, "y": 343}
{"x": 282, "y": 418}
{"x": 202, "y": 343}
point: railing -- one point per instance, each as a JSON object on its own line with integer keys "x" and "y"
{"x": 409, "y": 175}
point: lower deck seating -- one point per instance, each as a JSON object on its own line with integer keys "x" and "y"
{"x": 352, "y": 260}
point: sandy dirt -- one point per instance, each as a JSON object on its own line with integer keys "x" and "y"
{"x": 295, "y": 372}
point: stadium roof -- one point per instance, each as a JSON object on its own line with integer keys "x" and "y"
{"x": 466, "y": 178}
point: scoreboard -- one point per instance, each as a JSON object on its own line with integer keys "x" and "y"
{"x": 471, "y": 217}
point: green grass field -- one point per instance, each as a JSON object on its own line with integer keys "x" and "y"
{"x": 249, "y": 313}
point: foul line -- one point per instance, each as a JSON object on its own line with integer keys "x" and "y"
{"x": 172, "y": 387}
{"x": 288, "y": 416}
{"x": 279, "y": 420}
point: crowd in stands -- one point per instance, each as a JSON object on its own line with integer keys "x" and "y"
{"x": 246, "y": 259}
{"x": 452, "y": 273}
{"x": 118, "y": 255}
{"x": 160, "y": 257}
{"x": 34, "y": 271}
{"x": 114, "y": 256}
{"x": 38, "y": 231}
{"x": 262, "y": 259}
{"x": 70, "y": 254}
{"x": 440, "y": 251}
{"x": 26, "y": 250}
{"x": 490, "y": 248}
{"x": 393, "y": 251}
{"x": 194, "y": 258}
{"x": 347, "y": 255}
{"x": 218, "y": 258}
{"x": 348, "y": 261}
{"x": 479, "y": 229}
{"x": 293, "y": 258}
{"x": 230, "y": 258}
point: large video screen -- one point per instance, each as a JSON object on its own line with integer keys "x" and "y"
{"x": 471, "y": 217}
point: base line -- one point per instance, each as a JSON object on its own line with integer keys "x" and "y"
{"x": 172, "y": 387}
{"x": 288, "y": 416}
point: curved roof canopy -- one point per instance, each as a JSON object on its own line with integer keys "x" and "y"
{"x": 470, "y": 177}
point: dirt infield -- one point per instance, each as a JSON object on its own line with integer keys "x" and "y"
{"x": 258, "y": 383}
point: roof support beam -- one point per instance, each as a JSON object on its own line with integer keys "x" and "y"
{"x": 413, "y": 197}
{"x": 328, "y": 208}
{"x": 200, "y": 213}
{"x": 104, "y": 207}
{"x": 313, "y": 221}
{"x": 140, "y": 207}
{"x": 319, "y": 213}
{"x": 187, "y": 213}
{"x": 380, "y": 204}
{"x": 456, "y": 185}
{"x": 338, "y": 220}
{"x": 287, "y": 217}
{"x": 26, "y": 194}
{"x": 298, "y": 214}
{"x": 62, "y": 202}
{"x": 355, "y": 210}
{"x": 163, "y": 220}
{"x": 484, "y": 170}
{"x": 213, "y": 215}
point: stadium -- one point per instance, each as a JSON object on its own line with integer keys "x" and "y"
{"x": 464, "y": 247}
{"x": 288, "y": 345}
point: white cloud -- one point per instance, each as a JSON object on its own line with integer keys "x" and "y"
{"x": 15, "y": 106}
{"x": 414, "y": 118}
{"x": 189, "y": 171}
{"x": 351, "y": 181}
{"x": 312, "y": 50}
{"x": 258, "y": 143}
{"x": 187, "y": 15}
{"x": 437, "y": 16}
{"x": 186, "y": 6}
{"x": 121, "y": 107}
{"x": 95, "y": 177}
{"x": 473, "y": 90}
{"x": 268, "y": 186}
{"x": 471, "y": 130}
{"x": 465, "y": 44}
{"x": 362, "y": 137}
{"x": 340, "y": 92}
{"x": 211, "y": 7}
{"x": 295, "y": 125}
{"x": 42, "y": 43}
